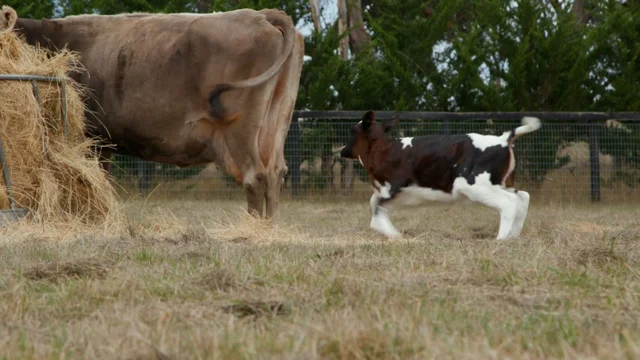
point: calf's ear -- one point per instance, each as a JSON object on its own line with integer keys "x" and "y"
{"x": 368, "y": 119}
{"x": 388, "y": 125}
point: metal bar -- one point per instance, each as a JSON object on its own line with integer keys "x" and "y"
{"x": 474, "y": 116}
{"x": 594, "y": 161}
{"x": 33, "y": 79}
{"x": 64, "y": 108}
{"x": 29, "y": 78}
{"x": 446, "y": 129}
{"x": 7, "y": 177}
{"x": 34, "y": 84}
{"x": 296, "y": 158}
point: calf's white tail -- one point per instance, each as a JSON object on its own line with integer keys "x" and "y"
{"x": 529, "y": 124}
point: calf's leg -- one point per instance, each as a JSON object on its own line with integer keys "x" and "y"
{"x": 523, "y": 207}
{"x": 495, "y": 197}
{"x": 380, "y": 221}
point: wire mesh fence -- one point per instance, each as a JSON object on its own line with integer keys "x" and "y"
{"x": 565, "y": 160}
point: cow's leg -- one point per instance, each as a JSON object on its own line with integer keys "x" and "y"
{"x": 255, "y": 188}
{"x": 266, "y": 123}
{"x": 495, "y": 197}
{"x": 380, "y": 221}
{"x": 239, "y": 156}
{"x": 275, "y": 180}
{"x": 244, "y": 164}
{"x": 282, "y": 108}
{"x": 523, "y": 207}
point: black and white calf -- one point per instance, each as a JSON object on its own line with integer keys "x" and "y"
{"x": 409, "y": 171}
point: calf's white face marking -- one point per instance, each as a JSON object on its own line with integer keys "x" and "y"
{"x": 406, "y": 142}
{"x": 483, "y": 142}
{"x": 359, "y": 159}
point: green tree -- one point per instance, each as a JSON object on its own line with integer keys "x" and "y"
{"x": 36, "y": 9}
{"x": 454, "y": 55}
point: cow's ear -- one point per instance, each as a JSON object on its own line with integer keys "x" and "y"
{"x": 368, "y": 119}
{"x": 388, "y": 125}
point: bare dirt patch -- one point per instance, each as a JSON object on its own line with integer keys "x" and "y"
{"x": 217, "y": 280}
{"x": 82, "y": 268}
{"x": 257, "y": 308}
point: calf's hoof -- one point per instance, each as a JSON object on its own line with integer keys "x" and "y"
{"x": 393, "y": 234}
{"x": 505, "y": 238}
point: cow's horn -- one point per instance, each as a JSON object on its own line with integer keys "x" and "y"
{"x": 8, "y": 19}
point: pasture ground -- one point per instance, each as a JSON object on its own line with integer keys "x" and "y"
{"x": 196, "y": 280}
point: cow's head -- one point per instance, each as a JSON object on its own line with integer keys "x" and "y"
{"x": 366, "y": 132}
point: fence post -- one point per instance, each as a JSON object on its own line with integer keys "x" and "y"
{"x": 594, "y": 161}
{"x": 145, "y": 169}
{"x": 294, "y": 137}
{"x": 446, "y": 130}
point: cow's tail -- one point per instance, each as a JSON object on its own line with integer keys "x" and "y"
{"x": 281, "y": 21}
{"x": 8, "y": 18}
{"x": 529, "y": 124}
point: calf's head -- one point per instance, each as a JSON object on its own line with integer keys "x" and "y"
{"x": 365, "y": 134}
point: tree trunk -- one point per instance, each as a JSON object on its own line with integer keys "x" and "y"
{"x": 315, "y": 14}
{"x": 582, "y": 16}
{"x": 350, "y": 19}
{"x": 358, "y": 36}
{"x": 347, "y": 176}
{"x": 346, "y": 172}
{"x": 326, "y": 169}
{"x": 203, "y": 6}
{"x": 343, "y": 21}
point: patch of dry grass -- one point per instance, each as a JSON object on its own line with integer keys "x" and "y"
{"x": 203, "y": 280}
{"x": 80, "y": 268}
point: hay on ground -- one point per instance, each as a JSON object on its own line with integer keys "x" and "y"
{"x": 55, "y": 178}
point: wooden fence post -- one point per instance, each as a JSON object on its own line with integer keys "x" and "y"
{"x": 296, "y": 156}
{"x": 594, "y": 161}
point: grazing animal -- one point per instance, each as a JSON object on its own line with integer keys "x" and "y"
{"x": 187, "y": 89}
{"x": 409, "y": 171}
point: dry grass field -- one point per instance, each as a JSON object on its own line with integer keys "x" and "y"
{"x": 201, "y": 280}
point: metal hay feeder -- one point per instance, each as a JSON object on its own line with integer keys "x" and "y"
{"x": 16, "y": 213}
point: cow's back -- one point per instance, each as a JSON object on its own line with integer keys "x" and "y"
{"x": 150, "y": 74}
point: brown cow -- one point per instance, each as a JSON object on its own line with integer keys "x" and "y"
{"x": 188, "y": 89}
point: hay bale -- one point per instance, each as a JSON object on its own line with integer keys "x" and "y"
{"x": 55, "y": 178}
